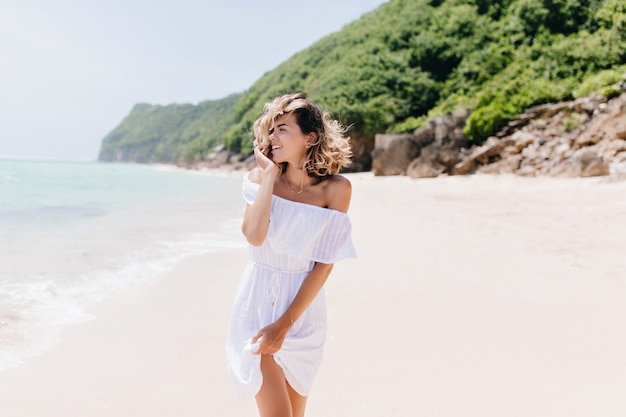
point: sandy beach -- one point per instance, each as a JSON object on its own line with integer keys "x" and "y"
{"x": 472, "y": 296}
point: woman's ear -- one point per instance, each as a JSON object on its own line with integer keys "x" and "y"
{"x": 311, "y": 138}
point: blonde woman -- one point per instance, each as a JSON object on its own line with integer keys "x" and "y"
{"x": 296, "y": 224}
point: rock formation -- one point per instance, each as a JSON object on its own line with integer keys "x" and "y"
{"x": 584, "y": 137}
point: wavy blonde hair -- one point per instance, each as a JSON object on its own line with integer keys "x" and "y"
{"x": 328, "y": 153}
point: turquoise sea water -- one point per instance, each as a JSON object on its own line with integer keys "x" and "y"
{"x": 73, "y": 232}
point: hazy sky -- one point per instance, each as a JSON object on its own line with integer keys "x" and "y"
{"x": 71, "y": 70}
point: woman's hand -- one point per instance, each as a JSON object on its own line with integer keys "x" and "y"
{"x": 272, "y": 337}
{"x": 263, "y": 157}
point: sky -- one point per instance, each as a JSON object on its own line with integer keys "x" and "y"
{"x": 71, "y": 70}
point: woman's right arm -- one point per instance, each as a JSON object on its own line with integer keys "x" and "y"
{"x": 256, "y": 219}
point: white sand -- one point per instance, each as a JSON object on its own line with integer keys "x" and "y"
{"x": 472, "y": 296}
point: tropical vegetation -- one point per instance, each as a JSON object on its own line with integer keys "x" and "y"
{"x": 410, "y": 60}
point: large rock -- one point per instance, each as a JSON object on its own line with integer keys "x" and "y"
{"x": 504, "y": 166}
{"x": 419, "y": 169}
{"x": 523, "y": 139}
{"x": 585, "y": 164}
{"x": 427, "y": 152}
{"x": 218, "y": 159}
{"x": 393, "y": 153}
{"x": 488, "y": 153}
{"x": 361, "y": 154}
{"x": 467, "y": 166}
{"x": 591, "y": 165}
{"x": 434, "y": 160}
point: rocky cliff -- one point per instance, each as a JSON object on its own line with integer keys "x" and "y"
{"x": 583, "y": 137}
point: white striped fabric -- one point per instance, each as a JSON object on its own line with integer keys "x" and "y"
{"x": 305, "y": 231}
{"x": 299, "y": 235}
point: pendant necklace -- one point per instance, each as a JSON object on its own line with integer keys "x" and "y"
{"x": 301, "y": 190}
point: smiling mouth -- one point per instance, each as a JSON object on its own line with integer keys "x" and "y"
{"x": 276, "y": 147}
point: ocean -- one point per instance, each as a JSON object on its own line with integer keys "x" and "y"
{"x": 72, "y": 233}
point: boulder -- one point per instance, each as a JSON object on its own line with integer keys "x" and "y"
{"x": 435, "y": 160}
{"x": 393, "y": 153}
{"x": 592, "y": 165}
{"x": 429, "y": 151}
{"x": 361, "y": 154}
{"x": 523, "y": 139}
{"x": 489, "y": 152}
{"x": 466, "y": 166}
{"x": 220, "y": 158}
{"x": 420, "y": 169}
{"x": 423, "y": 137}
{"x": 589, "y": 139}
{"x": 585, "y": 164}
{"x": 508, "y": 165}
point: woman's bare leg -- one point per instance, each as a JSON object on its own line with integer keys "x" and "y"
{"x": 298, "y": 402}
{"x": 273, "y": 399}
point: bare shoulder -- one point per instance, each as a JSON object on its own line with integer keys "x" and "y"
{"x": 338, "y": 193}
{"x": 339, "y": 183}
{"x": 256, "y": 175}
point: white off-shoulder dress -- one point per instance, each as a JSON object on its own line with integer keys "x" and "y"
{"x": 299, "y": 235}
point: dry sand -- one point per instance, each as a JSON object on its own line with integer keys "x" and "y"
{"x": 472, "y": 296}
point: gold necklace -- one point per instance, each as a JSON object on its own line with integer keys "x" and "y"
{"x": 301, "y": 190}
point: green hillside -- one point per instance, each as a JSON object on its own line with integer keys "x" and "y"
{"x": 153, "y": 133}
{"x": 413, "y": 59}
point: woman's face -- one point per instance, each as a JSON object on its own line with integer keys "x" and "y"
{"x": 288, "y": 143}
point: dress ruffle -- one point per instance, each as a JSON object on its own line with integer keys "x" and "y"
{"x": 305, "y": 231}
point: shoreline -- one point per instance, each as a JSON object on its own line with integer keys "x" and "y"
{"x": 472, "y": 295}
{"x": 75, "y": 234}
{"x": 146, "y": 352}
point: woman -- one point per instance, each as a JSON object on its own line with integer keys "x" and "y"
{"x": 297, "y": 227}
